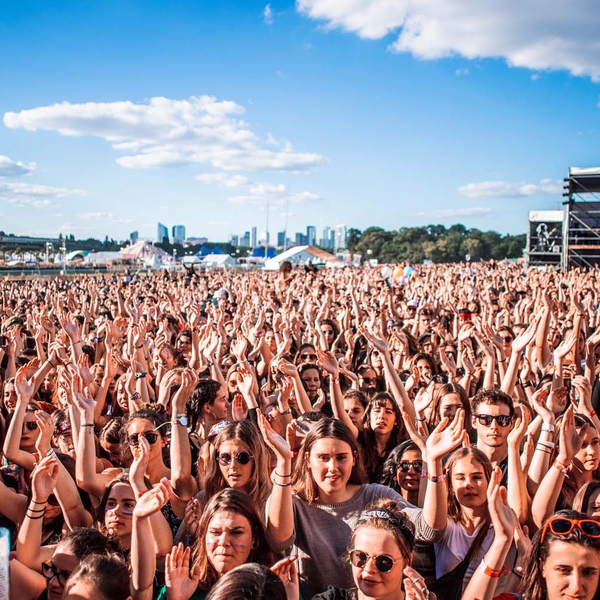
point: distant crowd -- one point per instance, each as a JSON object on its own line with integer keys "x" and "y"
{"x": 329, "y": 434}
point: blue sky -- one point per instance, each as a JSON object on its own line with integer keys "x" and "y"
{"x": 117, "y": 115}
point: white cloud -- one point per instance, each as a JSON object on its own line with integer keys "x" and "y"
{"x": 223, "y": 179}
{"x": 504, "y": 189}
{"x": 460, "y": 72}
{"x": 168, "y": 133}
{"x": 536, "y": 34}
{"x": 102, "y": 216}
{"x": 451, "y": 213}
{"x": 70, "y": 227}
{"x": 268, "y": 15}
{"x": 261, "y": 194}
{"x": 38, "y": 196}
{"x": 12, "y": 168}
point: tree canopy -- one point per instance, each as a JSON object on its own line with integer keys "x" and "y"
{"x": 435, "y": 243}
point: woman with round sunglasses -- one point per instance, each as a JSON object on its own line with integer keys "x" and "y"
{"x": 329, "y": 493}
{"x": 239, "y": 460}
{"x": 380, "y": 552}
{"x": 151, "y": 426}
{"x": 307, "y": 353}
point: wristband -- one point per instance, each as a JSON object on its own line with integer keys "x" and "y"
{"x": 34, "y": 518}
{"x": 283, "y": 484}
{"x": 436, "y": 478}
{"x": 49, "y": 453}
{"x": 41, "y": 510}
{"x": 87, "y": 425}
{"x": 526, "y": 385}
{"x": 283, "y": 476}
{"x": 424, "y": 473}
{"x": 286, "y": 412}
{"x": 140, "y": 346}
{"x": 141, "y": 374}
{"x": 562, "y": 468}
{"x": 549, "y": 445}
{"x": 135, "y": 396}
{"x": 142, "y": 493}
{"x": 335, "y": 380}
{"x": 36, "y": 502}
{"x": 549, "y": 427}
{"x": 493, "y": 573}
{"x": 592, "y": 414}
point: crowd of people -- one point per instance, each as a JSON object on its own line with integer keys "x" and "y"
{"x": 314, "y": 434}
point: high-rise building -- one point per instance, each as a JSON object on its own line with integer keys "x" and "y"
{"x": 162, "y": 233}
{"x": 341, "y": 233}
{"x": 280, "y": 239}
{"x": 300, "y": 239}
{"x": 133, "y": 237}
{"x": 245, "y": 240}
{"x": 253, "y": 237}
{"x": 235, "y": 240}
{"x": 178, "y": 234}
{"x": 311, "y": 235}
{"x": 325, "y": 241}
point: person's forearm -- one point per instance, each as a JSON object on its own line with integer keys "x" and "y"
{"x": 85, "y": 465}
{"x": 181, "y": 459}
{"x": 481, "y": 585}
{"x": 436, "y": 495}
{"x": 337, "y": 404}
{"x": 280, "y": 517}
{"x": 73, "y": 511}
{"x": 518, "y": 499}
{"x": 396, "y": 387}
{"x": 143, "y": 559}
{"x": 544, "y": 501}
{"x": 11, "y": 449}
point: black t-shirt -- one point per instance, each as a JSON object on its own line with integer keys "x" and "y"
{"x": 333, "y": 593}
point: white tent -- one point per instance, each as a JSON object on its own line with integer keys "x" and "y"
{"x": 300, "y": 255}
{"x": 218, "y": 260}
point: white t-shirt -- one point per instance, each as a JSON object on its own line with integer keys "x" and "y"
{"x": 454, "y": 547}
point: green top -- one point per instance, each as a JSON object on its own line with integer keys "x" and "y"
{"x": 197, "y": 595}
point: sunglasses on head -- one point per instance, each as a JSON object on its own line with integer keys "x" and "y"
{"x": 31, "y": 425}
{"x": 405, "y": 466}
{"x": 487, "y": 420}
{"x": 151, "y": 437}
{"x": 243, "y": 458}
{"x": 562, "y": 526}
{"x": 383, "y": 562}
{"x": 308, "y": 357}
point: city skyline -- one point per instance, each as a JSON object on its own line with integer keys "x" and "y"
{"x": 295, "y": 114}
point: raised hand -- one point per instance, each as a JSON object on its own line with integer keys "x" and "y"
{"x": 446, "y": 436}
{"x": 181, "y": 583}
{"x": 279, "y": 445}
{"x": 286, "y": 570}
{"x": 415, "y": 587}
{"x": 517, "y": 433}
{"x": 503, "y": 517}
{"x": 151, "y": 501}
{"x": 538, "y": 403}
{"x": 569, "y": 440}
{"x": 44, "y": 478}
{"x": 23, "y": 387}
{"x": 46, "y": 430}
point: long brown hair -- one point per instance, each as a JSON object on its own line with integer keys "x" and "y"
{"x": 444, "y": 389}
{"x": 304, "y": 484}
{"x": 239, "y": 502}
{"x": 367, "y": 435}
{"x": 259, "y": 486}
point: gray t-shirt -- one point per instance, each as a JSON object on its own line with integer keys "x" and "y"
{"x": 322, "y": 533}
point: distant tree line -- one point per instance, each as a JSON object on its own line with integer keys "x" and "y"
{"x": 435, "y": 243}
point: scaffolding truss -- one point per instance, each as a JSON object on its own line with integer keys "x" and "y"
{"x": 581, "y": 233}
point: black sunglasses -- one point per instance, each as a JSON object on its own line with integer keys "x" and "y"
{"x": 31, "y": 425}
{"x": 53, "y": 500}
{"x": 405, "y": 466}
{"x": 243, "y": 458}
{"x": 308, "y": 357}
{"x": 507, "y": 339}
{"x": 150, "y": 436}
{"x": 383, "y": 562}
{"x": 49, "y": 571}
{"x": 369, "y": 380}
{"x": 487, "y": 420}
